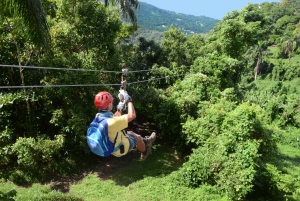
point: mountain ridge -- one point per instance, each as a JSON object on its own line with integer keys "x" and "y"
{"x": 154, "y": 18}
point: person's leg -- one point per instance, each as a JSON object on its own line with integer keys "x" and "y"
{"x": 138, "y": 141}
{"x": 148, "y": 140}
{"x": 144, "y": 145}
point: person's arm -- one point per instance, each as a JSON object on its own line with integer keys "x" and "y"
{"x": 131, "y": 112}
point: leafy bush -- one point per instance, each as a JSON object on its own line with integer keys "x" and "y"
{"x": 279, "y": 101}
{"x": 234, "y": 153}
{"x": 181, "y": 101}
{"x": 5, "y": 144}
{"x": 222, "y": 69}
{"x": 208, "y": 124}
{"x": 37, "y": 158}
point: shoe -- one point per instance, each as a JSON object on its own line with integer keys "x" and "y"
{"x": 148, "y": 145}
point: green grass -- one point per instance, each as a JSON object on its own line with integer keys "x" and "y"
{"x": 134, "y": 180}
{"x": 149, "y": 188}
{"x": 152, "y": 179}
{"x": 36, "y": 192}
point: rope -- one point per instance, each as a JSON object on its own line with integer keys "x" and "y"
{"x": 77, "y": 69}
{"x": 51, "y": 86}
{"x": 80, "y": 69}
{"x": 52, "y": 68}
{"x": 82, "y": 85}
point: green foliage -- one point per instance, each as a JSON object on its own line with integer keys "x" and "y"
{"x": 6, "y": 140}
{"x": 285, "y": 71}
{"x": 161, "y": 189}
{"x": 208, "y": 123}
{"x": 234, "y": 151}
{"x": 187, "y": 100}
{"x": 279, "y": 101}
{"x": 37, "y": 158}
{"x": 284, "y": 176}
{"x": 193, "y": 47}
{"x": 8, "y": 195}
{"x": 173, "y": 47}
{"x": 39, "y": 115}
{"x": 37, "y": 192}
{"x": 42, "y": 131}
{"x": 142, "y": 56}
{"x": 33, "y": 15}
{"x": 224, "y": 70}
{"x": 290, "y": 137}
{"x": 181, "y": 101}
{"x": 233, "y": 36}
{"x": 153, "y": 18}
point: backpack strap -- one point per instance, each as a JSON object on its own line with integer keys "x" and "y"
{"x": 120, "y": 146}
{"x": 99, "y": 120}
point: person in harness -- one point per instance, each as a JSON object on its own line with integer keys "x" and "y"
{"x": 123, "y": 141}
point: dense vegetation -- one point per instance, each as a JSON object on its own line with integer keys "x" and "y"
{"x": 238, "y": 132}
{"x": 153, "y": 18}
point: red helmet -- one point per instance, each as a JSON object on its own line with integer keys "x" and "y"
{"x": 102, "y": 99}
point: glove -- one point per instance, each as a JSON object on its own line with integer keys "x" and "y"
{"x": 123, "y": 96}
{"x": 121, "y": 106}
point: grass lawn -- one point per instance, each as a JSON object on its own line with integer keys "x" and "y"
{"x": 126, "y": 178}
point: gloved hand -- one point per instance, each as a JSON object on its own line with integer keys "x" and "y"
{"x": 121, "y": 106}
{"x": 124, "y": 95}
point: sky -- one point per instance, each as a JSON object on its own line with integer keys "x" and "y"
{"x": 216, "y": 9}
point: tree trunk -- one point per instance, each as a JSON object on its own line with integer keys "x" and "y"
{"x": 23, "y": 84}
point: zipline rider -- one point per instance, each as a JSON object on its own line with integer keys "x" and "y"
{"x": 116, "y": 123}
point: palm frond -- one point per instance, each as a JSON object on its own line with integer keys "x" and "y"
{"x": 32, "y": 12}
{"x": 127, "y": 8}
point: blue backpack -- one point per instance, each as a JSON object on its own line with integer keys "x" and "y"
{"x": 97, "y": 137}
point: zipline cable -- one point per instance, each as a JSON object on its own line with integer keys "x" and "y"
{"x": 79, "y": 69}
{"x": 52, "y": 86}
{"x": 83, "y": 85}
{"x": 53, "y": 68}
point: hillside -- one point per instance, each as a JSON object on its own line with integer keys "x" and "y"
{"x": 153, "y": 18}
{"x": 225, "y": 106}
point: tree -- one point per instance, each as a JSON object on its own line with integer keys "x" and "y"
{"x": 239, "y": 31}
{"x": 233, "y": 144}
{"x": 289, "y": 45}
{"x": 256, "y": 52}
{"x": 194, "y": 46}
{"x": 84, "y": 35}
{"x": 174, "y": 47}
{"x": 33, "y": 15}
{"x": 127, "y": 8}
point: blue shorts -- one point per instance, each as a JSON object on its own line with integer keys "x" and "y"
{"x": 132, "y": 139}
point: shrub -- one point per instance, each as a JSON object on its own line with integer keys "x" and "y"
{"x": 233, "y": 154}
{"x": 181, "y": 101}
{"x": 37, "y": 158}
{"x": 209, "y": 121}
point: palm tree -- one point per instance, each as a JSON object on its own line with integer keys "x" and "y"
{"x": 289, "y": 45}
{"x": 127, "y": 8}
{"x": 32, "y": 12}
{"x": 257, "y": 52}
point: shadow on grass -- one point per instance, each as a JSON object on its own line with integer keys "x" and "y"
{"x": 125, "y": 170}
{"x": 283, "y": 161}
{"x": 161, "y": 162}
{"x": 129, "y": 168}
{"x": 8, "y": 195}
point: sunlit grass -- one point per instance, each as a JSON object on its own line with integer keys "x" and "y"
{"x": 149, "y": 188}
{"x": 35, "y": 192}
{"x": 141, "y": 180}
